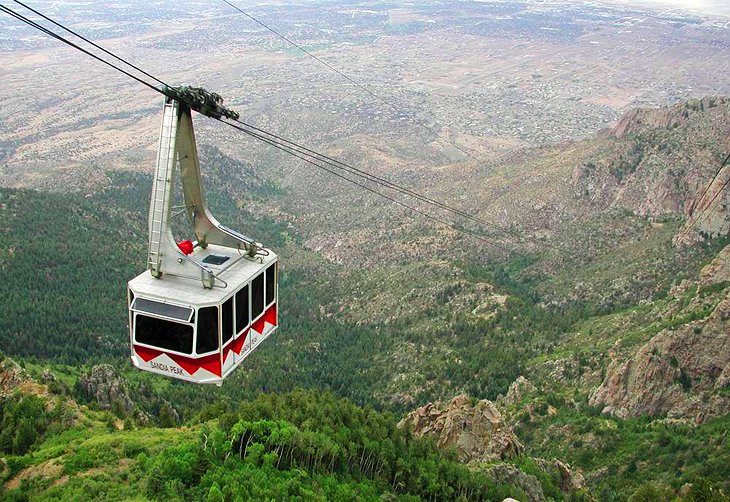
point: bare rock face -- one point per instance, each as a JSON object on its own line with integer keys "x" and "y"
{"x": 679, "y": 372}
{"x": 718, "y": 270}
{"x": 650, "y": 163}
{"x": 12, "y": 376}
{"x": 106, "y": 387}
{"x": 668, "y": 117}
{"x": 517, "y": 392}
{"x": 570, "y": 480}
{"x": 477, "y": 431}
{"x": 509, "y": 474}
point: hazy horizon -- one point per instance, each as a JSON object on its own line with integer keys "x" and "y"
{"x": 717, "y": 7}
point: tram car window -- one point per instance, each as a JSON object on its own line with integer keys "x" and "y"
{"x": 257, "y": 296}
{"x": 242, "y": 319}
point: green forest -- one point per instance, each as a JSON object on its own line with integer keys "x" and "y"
{"x": 312, "y": 414}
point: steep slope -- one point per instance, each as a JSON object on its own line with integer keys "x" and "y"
{"x": 652, "y": 165}
{"x": 302, "y": 445}
{"x": 683, "y": 371}
{"x": 399, "y": 314}
{"x": 658, "y": 162}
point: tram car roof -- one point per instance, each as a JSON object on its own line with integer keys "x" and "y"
{"x": 236, "y": 271}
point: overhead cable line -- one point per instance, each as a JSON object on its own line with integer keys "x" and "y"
{"x": 294, "y": 153}
{"x": 364, "y": 174}
{"x": 58, "y": 37}
{"x": 707, "y": 188}
{"x": 707, "y": 207}
{"x": 91, "y": 43}
{"x": 319, "y": 156}
{"x": 342, "y": 74}
{"x": 705, "y": 213}
{"x": 255, "y": 135}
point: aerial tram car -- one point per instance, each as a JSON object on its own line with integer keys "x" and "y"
{"x": 202, "y": 305}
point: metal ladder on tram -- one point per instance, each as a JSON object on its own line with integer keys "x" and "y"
{"x": 162, "y": 187}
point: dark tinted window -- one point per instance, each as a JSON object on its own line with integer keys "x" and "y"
{"x": 228, "y": 320}
{"x": 242, "y": 309}
{"x": 257, "y": 296}
{"x": 207, "y": 330}
{"x": 215, "y": 259}
{"x": 270, "y": 283}
{"x": 163, "y": 309}
{"x": 164, "y": 334}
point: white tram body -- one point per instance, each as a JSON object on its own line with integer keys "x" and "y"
{"x": 181, "y": 330}
{"x": 202, "y": 305}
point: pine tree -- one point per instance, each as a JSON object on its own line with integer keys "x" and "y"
{"x": 215, "y": 494}
{"x": 25, "y": 436}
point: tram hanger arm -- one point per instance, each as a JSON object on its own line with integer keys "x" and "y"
{"x": 206, "y": 227}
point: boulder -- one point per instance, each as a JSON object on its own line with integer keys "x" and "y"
{"x": 106, "y": 387}
{"x": 476, "y": 430}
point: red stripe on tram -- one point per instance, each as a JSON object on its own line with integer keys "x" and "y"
{"x": 189, "y": 364}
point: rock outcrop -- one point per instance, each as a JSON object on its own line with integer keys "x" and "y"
{"x": 570, "y": 480}
{"x": 718, "y": 270}
{"x": 476, "y": 430}
{"x": 681, "y": 372}
{"x": 106, "y": 387}
{"x": 509, "y": 474}
{"x": 516, "y": 392}
{"x": 651, "y": 163}
{"x": 48, "y": 376}
{"x": 12, "y": 377}
{"x": 486, "y": 443}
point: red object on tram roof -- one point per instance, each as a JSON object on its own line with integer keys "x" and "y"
{"x": 186, "y": 246}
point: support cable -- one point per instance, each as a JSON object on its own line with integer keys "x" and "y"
{"x": 364, "y": 174}
{"x": 271, "y": 139}
{"x": 683, "y": 233}
{"x": 342, "y": 74}
{"x": 258, "y": 136}
{"x": 707, "y": 188}
{"x": 706, "y": 212}
{"x": 92, "y": 43}
{"x": 294, "y": 153}
{"x": 330, "y": 160}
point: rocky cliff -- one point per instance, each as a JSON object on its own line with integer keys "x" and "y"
{"x": 682, "y": 372}
{"x": 658, "y": 162}
{"x": 482, "y": 439}
{"x": 475, "y": 429}
{"x": 12, "y": 377}
{"x": 107, "y": 388}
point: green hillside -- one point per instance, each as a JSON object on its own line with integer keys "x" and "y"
{"x": 304, "y": 445}
{"x": 616, "y": 328}
{"x": 54, "y": 312}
